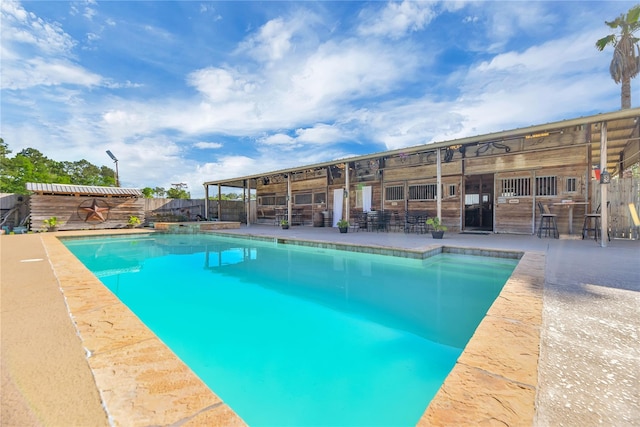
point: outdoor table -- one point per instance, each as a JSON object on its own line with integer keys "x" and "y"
{"x": 570, "y": 205}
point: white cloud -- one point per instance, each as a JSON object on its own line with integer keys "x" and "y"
{"x": 519, "y": 88}
{"x": 124, "y": 85}
{"x": 395, "y": 20}
{"x": 22, "y": 27}
{"x": 550, "y": 57}
{"x": 509, "y": 19}
{"x": 280, "y": 140}
{"x": 272, "y": 42}
{"x": 210, "y": 10}
{"x": 159, "y": 34}
{"x": 469, "y": 19}
{"x": 230, "y": 166}
{"x": 203, "y": 145}
{"x": 36, "y": 52}
{"x": 315, "y": 85}
{"x": 39, "y": 71}
{"x": 89, "y": 13}
{"x": 320, "y": 134}
{"x": 350, "y": 69}
{"x": 219, "y": 84}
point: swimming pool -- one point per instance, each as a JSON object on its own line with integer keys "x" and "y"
{"x": 326, "y": 337}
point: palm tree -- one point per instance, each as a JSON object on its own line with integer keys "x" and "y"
{"x": 625, "y": 64}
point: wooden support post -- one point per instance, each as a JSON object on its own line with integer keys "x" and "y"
{"x": 348, "y": 192}
{"x": 289, "y": 201}
{"x": 206, "y": 202}
{"x": 246, "y": 192}
{"x": 439, "y": 184}
{"x": 604, "y": 212}
{"x": 219, "y": 202}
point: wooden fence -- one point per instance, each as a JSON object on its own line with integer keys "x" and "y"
{"x": 620, "y": 193}
{"x": 18, "y": 209}
{"x": 173, "y": 210}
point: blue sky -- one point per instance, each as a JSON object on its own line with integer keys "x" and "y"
{"x": 191, "y": 91}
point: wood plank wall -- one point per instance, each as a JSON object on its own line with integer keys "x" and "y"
{"x": 277, "y": 186}
{"x": 520, "y": 214}
{"x": 71, "y": 216}
{"x": 561, "y": 154}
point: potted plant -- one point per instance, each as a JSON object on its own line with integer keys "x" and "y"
{"x": 51, "y": 224}
{"x": 343, "y": 225}
{"x": 438, "y": 229}
{"x": 134, "y": 221}
{"x": 284, "y": 224}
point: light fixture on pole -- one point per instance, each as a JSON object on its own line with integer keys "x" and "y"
{"x": 116, "y": 162}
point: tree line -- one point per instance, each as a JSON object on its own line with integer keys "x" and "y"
{"x": 30, "y": 165}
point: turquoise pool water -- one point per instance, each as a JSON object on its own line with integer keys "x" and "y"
{"x": 300, "y": 336}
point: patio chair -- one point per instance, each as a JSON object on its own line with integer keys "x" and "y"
{"x": 412, "y": 223}
{"x": 355, "y": 221}
{"x": 548, "y": 222}
{"x": 398, "y": 221}
{"x": 383, "y": 220}
{"x": 421, "y": 225}
{"x": 358, "y": 221}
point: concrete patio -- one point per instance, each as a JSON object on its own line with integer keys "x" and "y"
{"x": 589, "y": 360}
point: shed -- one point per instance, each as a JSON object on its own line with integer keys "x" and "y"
{"x": 83, "y": 207}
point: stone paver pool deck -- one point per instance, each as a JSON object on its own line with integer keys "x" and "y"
{"x": 558, "y": 347}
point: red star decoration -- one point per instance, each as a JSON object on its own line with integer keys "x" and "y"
{"x": 94, "y": 212}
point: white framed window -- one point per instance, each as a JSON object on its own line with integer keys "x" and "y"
{"x": 358, "y": 194}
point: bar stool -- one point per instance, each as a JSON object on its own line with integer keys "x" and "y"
{"x": 590, "y": 219}
{"x": 548, "y": 222}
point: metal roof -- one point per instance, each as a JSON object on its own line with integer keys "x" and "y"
{"x": 82, "y": 190}
{"x": 624, "y": 129}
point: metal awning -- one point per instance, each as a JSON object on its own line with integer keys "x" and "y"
{"x": 82, "y": 190}
{"x": 623, "y": 135}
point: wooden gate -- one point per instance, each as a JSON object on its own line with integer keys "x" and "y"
{"x": 621, "y": 192}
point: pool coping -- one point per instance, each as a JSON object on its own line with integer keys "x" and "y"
{"x": 142, "y": 382}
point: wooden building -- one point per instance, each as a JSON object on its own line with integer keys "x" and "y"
{"x": 490, "y": 182}
{"x": 82, "y": 207}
